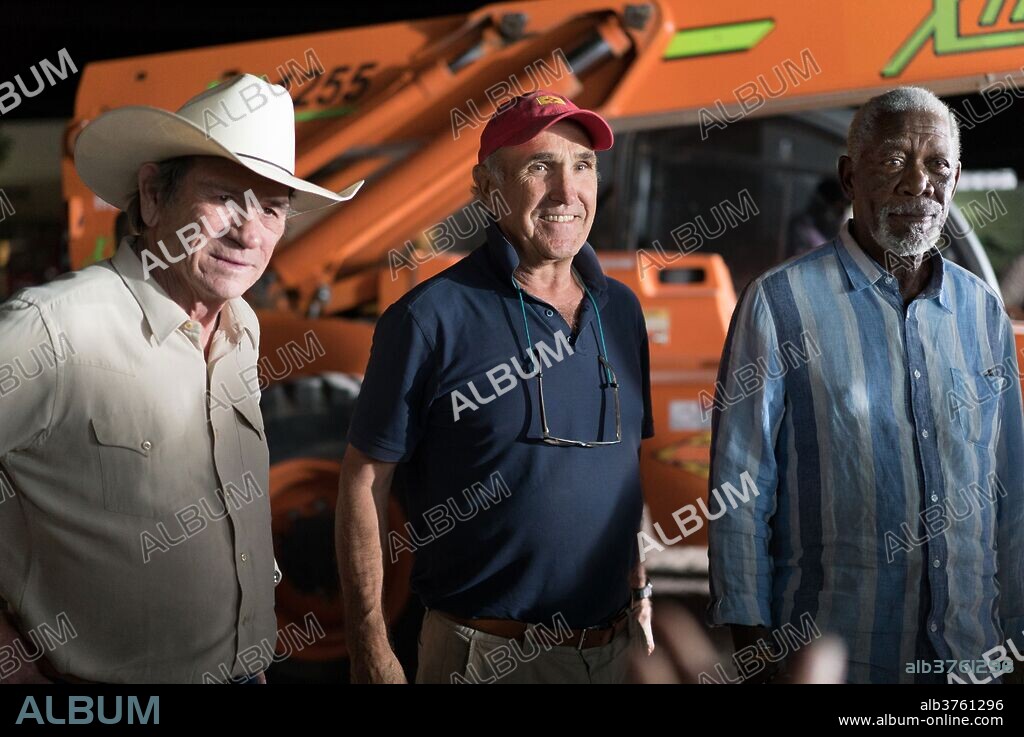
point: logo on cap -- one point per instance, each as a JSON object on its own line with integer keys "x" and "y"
{"x": 550, "y": 100}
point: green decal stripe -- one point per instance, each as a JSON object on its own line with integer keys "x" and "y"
{"x": 329, "y": 112}
{"x": 942, "y": 26}
{"x": 990, "y": 13}
{"x": 721, "y": 39}
{"x": 97, "y": 252}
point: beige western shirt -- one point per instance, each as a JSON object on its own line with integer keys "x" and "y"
{"x": 135, "y": 520}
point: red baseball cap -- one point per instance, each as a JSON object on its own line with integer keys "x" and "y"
{"x": 521, "y": 118}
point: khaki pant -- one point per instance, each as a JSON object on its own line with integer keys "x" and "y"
{"x": 452, "y": 653}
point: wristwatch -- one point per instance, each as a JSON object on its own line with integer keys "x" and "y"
{"x": 644, "y": 593}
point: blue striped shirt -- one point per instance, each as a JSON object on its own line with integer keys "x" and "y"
{"x": 886, "y": 444}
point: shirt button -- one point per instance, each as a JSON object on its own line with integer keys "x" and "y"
{"x": 933, "y": 627}
{"x": 924, "y": 433}
{"x": 888, "y": 280}
{"x": 549, "y": 313}
{"x": 936, "y": 563}
{"x": 935, "y": 497}
{"x": 146, "y": 445}
{"x": 245, "y": 557}
{"x": 917, "y": 374}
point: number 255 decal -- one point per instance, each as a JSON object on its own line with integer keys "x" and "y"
{"x": 341, "y": 85}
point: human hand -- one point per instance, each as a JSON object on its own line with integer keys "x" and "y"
{"x": 686, "y": 653}
{"x": 642, "y": 615}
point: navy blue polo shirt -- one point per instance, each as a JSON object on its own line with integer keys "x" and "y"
{"x": 504, "y": 525}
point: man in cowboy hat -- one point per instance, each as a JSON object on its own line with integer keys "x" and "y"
{"x": 524, "y": 502}
{"x": 137, "y": 519}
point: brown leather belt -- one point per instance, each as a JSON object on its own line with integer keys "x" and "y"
{"x": 581, "y": 639}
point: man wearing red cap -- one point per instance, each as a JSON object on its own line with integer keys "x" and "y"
{"x": 505, "y": 401}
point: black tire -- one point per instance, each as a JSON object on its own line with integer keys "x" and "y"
{"x": 308, "y": 416}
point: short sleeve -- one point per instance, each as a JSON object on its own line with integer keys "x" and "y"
{"x": 391, "y": 411}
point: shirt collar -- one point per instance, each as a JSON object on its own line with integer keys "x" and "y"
{"x": 863, "y": 271}
{"x": 162, "y": 313}
{"x": 504, "y": 258}
{"x": 233, "y": 323}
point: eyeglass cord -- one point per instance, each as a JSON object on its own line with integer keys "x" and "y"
{"x": 529, "y": 341}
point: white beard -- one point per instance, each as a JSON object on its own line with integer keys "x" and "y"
{"x": 917, "y": 240}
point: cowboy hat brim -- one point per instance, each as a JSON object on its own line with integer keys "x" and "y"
{"x": 141, "y": 134}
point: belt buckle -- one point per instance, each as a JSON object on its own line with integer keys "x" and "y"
{"x": 583, "y": 636}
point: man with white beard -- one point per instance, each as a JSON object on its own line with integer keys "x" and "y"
{"x": 885, "y": 434}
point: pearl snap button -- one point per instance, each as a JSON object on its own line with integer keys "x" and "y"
{"x": 146, "y": 445}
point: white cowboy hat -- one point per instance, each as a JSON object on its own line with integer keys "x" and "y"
{"x": 244, "y": 119}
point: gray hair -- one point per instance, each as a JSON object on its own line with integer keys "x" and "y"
{"x": 169, "y": 177}
{"x": 898, "y": 100}
{"x": 494, "y": 167}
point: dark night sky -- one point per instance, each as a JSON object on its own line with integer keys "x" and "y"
{"x": 30, "y": 32}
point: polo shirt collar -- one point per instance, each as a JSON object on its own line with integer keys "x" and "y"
{"x": 162, "y": 313}
{"x": 504, "y": 259}
{"x": 863, "y": 271}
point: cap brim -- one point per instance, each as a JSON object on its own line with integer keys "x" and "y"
{"x": 601, "y": 137}
{"x": 110, "y": 150}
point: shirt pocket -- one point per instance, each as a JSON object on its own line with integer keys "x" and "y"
{"x": 975, "y": 404}
{"x": 127, "y": 451}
